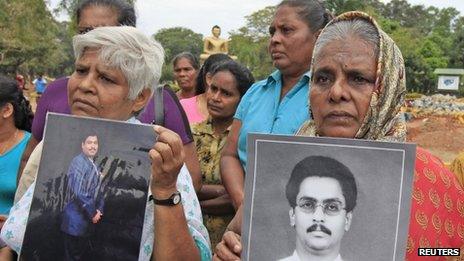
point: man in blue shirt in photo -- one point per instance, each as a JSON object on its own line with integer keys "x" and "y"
{"x": 83, "y": 205}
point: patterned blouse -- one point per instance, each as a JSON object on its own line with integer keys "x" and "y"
{"x": 209, "y": 147}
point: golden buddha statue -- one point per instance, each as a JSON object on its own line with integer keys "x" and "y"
{"x": 214, "y": 44}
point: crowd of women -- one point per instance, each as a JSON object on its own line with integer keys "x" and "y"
{"x": 335, "y": 77}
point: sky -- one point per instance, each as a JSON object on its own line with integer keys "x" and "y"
{"x": 201, "y": 15}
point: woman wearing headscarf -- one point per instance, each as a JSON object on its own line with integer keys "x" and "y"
{"x": 115, "y": 74}
{"x": 358, "y": 87}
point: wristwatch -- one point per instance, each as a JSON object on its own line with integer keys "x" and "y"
{"x": 173, "y": 200}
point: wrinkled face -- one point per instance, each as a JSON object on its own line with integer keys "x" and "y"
{"x": 291, "y": 43}
{"x": 97, "y": 90}
{"x": 95, "y": 16}
{"x": 185, "y": 74}
{"x": 222, "y": 96}
{"x": 319, "y": 218}
{"x": 216, "y": 31}
{"x": 344, "y": 74}
{"x": 90, "y": 146}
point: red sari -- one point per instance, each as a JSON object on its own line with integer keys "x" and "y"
{"x": 437, "y": 211}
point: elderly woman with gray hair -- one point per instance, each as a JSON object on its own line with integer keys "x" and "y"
{"x": 115, "y": 71}
{"x": 357, "y": 89}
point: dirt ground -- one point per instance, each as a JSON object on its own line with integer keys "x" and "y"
{"x": 442, "y": 136}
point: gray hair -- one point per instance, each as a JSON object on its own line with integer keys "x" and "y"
{"x": 342, "y": 30}
{"x": 126, "y": 48}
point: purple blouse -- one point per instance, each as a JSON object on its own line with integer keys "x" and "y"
{"x": 55, "y": 99}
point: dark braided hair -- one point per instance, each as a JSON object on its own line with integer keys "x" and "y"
{"x": 22, "y": 112}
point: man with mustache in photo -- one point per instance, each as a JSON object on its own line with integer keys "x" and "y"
{"x": 83, "y": 204}
{"x": 322, "y": 194}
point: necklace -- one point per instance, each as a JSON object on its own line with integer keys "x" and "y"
{"x": 8, "y": 143}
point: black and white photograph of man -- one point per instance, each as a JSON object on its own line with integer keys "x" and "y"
{"x": 322, "y": 194}
{"x": 326, "y": 199}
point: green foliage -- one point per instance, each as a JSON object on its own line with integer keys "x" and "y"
{"x": 428, "y": 37}
{"x": 340, "y": 6}
{"x": 250, "y": 43}
{"x": 176, "y": 40}
{"x": 258, "y": 23}
{"x": 31, "y": 40}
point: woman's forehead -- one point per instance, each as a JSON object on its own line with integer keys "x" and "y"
{"x": 353, "y": 48}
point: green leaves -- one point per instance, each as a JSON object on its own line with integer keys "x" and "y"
{"x": 176, "y": 40}
{"x": 249, "y": 43}
{"x": 30, "y": 39}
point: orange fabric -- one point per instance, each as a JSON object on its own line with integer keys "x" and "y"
{"x": 437, "y": 212}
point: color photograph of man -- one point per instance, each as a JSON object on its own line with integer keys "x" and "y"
{"x": 83, "y": 204}
{"x": 322, "y": 194}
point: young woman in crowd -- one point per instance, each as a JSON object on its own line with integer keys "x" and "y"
{"x": 195, "y": 107}
{"x": 228, "y": 83}
{"x": 15, "y": 126}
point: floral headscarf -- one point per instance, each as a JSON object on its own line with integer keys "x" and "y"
{"x": 383, "y": 120}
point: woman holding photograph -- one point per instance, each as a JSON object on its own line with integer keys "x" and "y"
{"x": 357, "y": 91}
{"x": 115, "y": 72}
{"x": 91, "y": 14}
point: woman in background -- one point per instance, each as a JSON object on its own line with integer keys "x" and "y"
{"x": 195, "y": 107}
{"x": 278, "y": 104}
{"x": 15, "y": 126}
{"x": 186, "y": 68}
{"x": 228, "y": 83}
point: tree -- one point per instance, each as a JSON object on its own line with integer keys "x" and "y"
{"x": 457, "y": 51}
{"x": 249, "y": 43}
{"x": 258, "y": 23}
{"x": 29, "y": 38}
{"x": 176, "y": 40}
